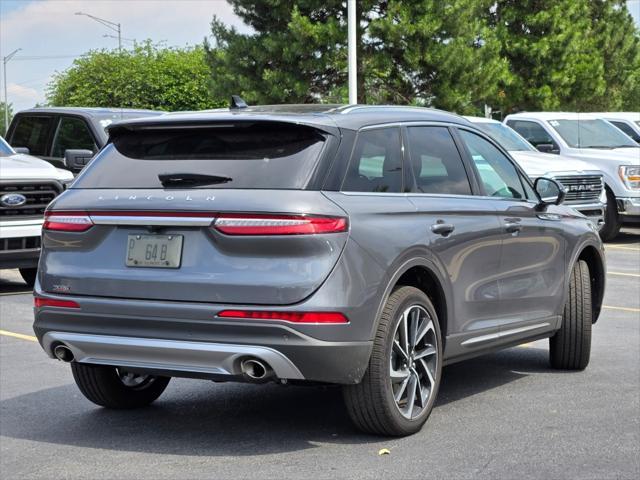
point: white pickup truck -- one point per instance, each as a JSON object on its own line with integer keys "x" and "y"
{"x": 27, "y": 185}
{"x": 584, "y": 183}
{"x": 598, "y": 143}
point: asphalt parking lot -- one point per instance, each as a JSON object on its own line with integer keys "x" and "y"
{"x": 505, "y": 415}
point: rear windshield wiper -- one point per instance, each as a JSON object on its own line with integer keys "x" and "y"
{"x": 190, "y": 179}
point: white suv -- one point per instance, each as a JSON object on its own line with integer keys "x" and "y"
{"x": 598, "y": 143}
{"x": 27, "y": 185}
{"x": 583, "y": 182}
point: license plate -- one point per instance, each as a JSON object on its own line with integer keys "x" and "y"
{"x": 160, "y": 251}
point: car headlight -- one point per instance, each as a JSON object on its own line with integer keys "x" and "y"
{"x": 630, "y": 175}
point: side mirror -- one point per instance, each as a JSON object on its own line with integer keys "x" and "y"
{"x": 547, "y": 148}
{"x": 76, "y": 160}
{"x": 549, "y": 191}
{"x": 23, "y": 150}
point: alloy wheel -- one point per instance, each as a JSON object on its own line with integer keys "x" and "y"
{"x": 413, "y": 362}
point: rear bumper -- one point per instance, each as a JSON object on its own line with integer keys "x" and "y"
{"x": 177, "y": 341}
{"x": 168, "y": 355}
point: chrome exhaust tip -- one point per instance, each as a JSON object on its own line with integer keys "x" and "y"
{"x": 255, "y": 369}
{"x": 63, "y": 353}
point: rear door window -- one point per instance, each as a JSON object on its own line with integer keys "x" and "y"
{"x": 435, "y": 161}
{"x": 376, "y": 164}
{"x": 33, "y": 133}
{"x": 72, "y": 133}
{"x": 261, "y": 155}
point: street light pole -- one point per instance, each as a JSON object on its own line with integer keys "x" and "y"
{"x": 5, "y": 60}
{"x": 116, "y": 27}
{"x": 351, "y": 47}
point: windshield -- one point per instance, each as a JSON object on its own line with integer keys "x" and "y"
{"x": 591, "y": 134}
{"x": 5, "y": 149}
{"x": 505, "y": 136}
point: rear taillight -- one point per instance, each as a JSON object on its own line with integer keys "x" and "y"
{"x": 252, "y": 224}
{"x": 293, "y": 317}
{"x": 67, "y": 221}
{"x": 39, "y": 302}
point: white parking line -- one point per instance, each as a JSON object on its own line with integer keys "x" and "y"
{"x": 624, "y": 274}
{"x": 622, "y": 247}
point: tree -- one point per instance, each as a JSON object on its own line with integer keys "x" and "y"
{"x": 3, "y": 126}
{"x": 147, "y": 76}
{"x": 568, "y": 54}
{"x": 430, "y": 52}
{"x": 618, "y": 42}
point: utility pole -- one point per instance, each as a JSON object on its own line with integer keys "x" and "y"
{"x": 352, "y": 49}
{"x": 5, "y": 60}
{"x": 116, "y": 27}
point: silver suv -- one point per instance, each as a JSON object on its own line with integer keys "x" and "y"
{"x": 360, "y": 246}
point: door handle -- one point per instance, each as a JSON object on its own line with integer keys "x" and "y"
{"x": 443, "y": 229}
{"x": 512, "y": 227}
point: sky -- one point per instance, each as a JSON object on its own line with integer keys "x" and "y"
{"x": 51, "y": 36}
{"x": 49, "y": 28}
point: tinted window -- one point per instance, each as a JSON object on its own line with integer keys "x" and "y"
{"x": 73, "y": 133}
{"x": 531, "y": 131}
{"x": 435, "y": 161}
{"x": 246, "y": 155}
{"x": 33, "y": 133}
{"x": 505, "y": 136}
{"x": 498, "y": 176}
{"x": 591, "y": 134}
{"x": 627, "y": 129}
{"x": 376, "y": 164}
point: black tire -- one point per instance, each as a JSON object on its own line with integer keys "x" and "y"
{"x": 371, "y": 404}
{"x": 29, "y": 275}
{"x": 612, "y": 222}
{"x": 570, "y": 347}
{"x": 103, "y": 386}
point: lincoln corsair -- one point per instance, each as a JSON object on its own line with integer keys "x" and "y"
{"x": 361, "y": 246}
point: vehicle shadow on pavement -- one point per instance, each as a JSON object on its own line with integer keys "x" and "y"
{"x": 13, "y": 284}
{"x": 627, "y": 237}
{"x": 200, "y": 418}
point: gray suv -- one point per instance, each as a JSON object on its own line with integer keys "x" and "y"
{"x": 355, "y": 245}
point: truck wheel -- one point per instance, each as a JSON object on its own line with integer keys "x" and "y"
{"x": 113, "y": 387}
{"x": 29, "y": 275}
{"x": 398, "y": 390}
{"x": 612, "y": 223}
{"x": 570, "y": 347}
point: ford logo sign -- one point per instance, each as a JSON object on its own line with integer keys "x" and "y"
{"x": 12, "y": 200}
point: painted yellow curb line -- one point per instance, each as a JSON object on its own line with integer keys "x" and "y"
{"x": 30, "y": 338}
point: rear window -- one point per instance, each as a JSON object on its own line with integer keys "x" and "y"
{"x": 247, "y": 155}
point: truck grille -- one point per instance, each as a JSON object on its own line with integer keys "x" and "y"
{"x": 581, "y": 187}
{"x": 37, "y": 194}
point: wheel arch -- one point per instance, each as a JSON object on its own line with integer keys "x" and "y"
{"x": 424, "y": 275}
{"x": 594, "y": 258}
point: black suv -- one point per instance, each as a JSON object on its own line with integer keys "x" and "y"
{"x": 74, "y": 133}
